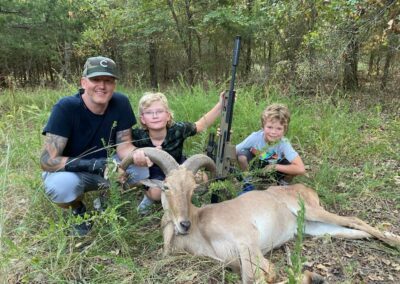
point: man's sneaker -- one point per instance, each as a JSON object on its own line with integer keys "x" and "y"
{"x": 144, "y": 207}
{"x": 282, "y": 182}
{"x": 81, "y": 229}
{"x": 247, "y": 186}
{"x": 100, "y": 203}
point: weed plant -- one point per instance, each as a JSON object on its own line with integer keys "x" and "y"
{"x": 295, "y": 274}
{"x": 351, "y": 154}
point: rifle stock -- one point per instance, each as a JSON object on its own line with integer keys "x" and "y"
{"x": 226, "y": 152}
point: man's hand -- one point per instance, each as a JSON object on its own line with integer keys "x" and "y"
{"x": 122, "y": 176}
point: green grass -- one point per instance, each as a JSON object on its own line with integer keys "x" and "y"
{"x": 350, "y": 153}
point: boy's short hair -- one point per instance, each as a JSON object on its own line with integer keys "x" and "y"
{"x": 151, "y": 97}
{"x": 278, "y": 112}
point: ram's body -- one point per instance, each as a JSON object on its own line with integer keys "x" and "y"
{"x": 239, "y": 231}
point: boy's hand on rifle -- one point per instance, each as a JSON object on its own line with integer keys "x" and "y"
{"x": 221, "y": 98}
{"x": 219, "y": 132}
{"x": 224, "y": 96}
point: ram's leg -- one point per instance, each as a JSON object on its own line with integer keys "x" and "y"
{"x": 168, "y": 233}
{"x": 255, "y": 268}
{"x": 321, "y": 215}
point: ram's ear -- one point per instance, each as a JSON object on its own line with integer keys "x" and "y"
{"x": 152, "y": 183}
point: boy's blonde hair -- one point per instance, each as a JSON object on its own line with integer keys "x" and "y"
{"x": 149, "y": 98}
{"x": 278, "y": 112}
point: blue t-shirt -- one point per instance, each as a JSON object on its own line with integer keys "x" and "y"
{"x": 88, "y": 132}
{"x": 255, "y": 142}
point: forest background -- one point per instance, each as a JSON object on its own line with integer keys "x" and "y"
{"x": 334, "y": 63}
{"x": 309, "y": 45}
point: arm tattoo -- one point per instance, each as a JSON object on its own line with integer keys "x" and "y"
{"x": 124, "y": 136}
{"x": 54, "y": 146}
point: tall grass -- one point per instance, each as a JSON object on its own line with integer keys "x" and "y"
{"x": 350, "y": 153}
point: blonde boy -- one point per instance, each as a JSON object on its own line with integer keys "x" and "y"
{"x": 161, "y": 131}
{"x": 272, "y": 150}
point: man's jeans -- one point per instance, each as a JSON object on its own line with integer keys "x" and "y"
{"x": 65, "y": 187}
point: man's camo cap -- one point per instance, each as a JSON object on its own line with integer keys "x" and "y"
{"x": 100, "y": 66}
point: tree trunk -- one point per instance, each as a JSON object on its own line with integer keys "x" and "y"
{"x": 350, "y": 78}
{"x": 378, "y": 65}
{"x": 185, "y": 36}
{"x": 268, "y": 61}
{"x": 248, "y": 42}
{"x": 371, "y": 63}
{"x": 153, "y": 65}
{"x": 388, "y": 60}
{"x": 50, "y": 70}
{"x": 66, "y": 68}
{"x": 215, "y": 63}
{"x": 247, "y": 58}
{"x": 311, "y": 27}
{"x": 200, "y": 66}
{"x": 165, "y": 69}
{"x": 189, "y": 15}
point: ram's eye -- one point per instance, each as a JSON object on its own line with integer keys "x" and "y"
{"x": 165, "y": 187}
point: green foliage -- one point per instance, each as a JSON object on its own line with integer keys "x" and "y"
{"x": 301, "y": 43}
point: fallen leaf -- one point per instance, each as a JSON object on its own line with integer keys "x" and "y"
{"x": 322, "y": 267}
{"x": 396, "y": 266}
{"x": 385, "y": 226}
{"x": 375, "y": 277}
{"x": 115, "y": 252}
{"x": 349, "y": 255}
{"x": 309, "y": 263}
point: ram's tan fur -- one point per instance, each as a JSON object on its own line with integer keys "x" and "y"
{"x": 240, "y": 231}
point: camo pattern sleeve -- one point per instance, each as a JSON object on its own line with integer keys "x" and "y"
{"x": 176, "y": 137}
{"x": 173, "y": 142}
{"x": 141, "y": 138}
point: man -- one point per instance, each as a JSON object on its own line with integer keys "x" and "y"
{"x": 81, "y": 131}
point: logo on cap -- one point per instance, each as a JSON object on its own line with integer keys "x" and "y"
{"x": 103, "y": 63}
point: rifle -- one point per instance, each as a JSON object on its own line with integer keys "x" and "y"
{"x": 226, "y": 152}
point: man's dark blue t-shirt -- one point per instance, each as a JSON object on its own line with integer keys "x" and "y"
{"x": 88, "y": 132}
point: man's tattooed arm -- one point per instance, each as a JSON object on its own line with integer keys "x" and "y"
{"x": 51, "y": 159}
{"x": 124, "y": 143}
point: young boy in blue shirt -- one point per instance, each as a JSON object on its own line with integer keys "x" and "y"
{"x": 273, "y": 151}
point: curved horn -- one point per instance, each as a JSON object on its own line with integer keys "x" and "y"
{"x": 195, "y": 162}
{"x": 159, "y": 157}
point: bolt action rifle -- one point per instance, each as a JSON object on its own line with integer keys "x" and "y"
{"x": 225, "y": 152}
